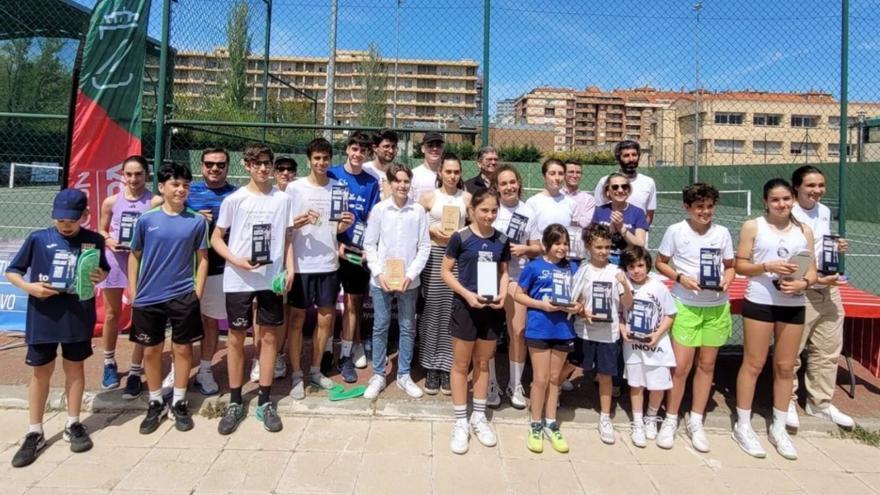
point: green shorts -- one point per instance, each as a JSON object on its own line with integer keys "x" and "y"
{"x": 696, "y": 326}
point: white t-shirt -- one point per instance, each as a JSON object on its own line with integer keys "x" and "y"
{"x": 643, "y": 195}
{"x": 245, "y": 214}
{"x": 582, "y": 288}
{"x": 384, "y": 186}
{"x": 423, "y": 180}
{"x": 549, "y": 210}
{"x": 683, "y": 245}
{"x": 819, "y": 220}
{"x": 652, "y": 301}
{"x": 314, "y": 245}
{"x": 502, "y": 221}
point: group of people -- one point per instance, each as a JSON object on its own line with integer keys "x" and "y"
{"x": 566, "y": 274}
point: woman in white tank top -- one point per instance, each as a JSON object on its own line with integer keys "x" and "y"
{"x": 774, "y": 307}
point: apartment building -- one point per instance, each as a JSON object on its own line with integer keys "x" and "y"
{"x": 430, "y": 93}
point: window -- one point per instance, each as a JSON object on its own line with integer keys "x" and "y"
{"x": 834, "y": 121}
{"x": 804, "y": 121}
{"x": 801, "y": 148}
{"x": 728, "y": 118}
{"x": 834, "y": 149}
{"x": 767, "y": 147}
{"x": 729, "y": 146}
{"x": 766, "y": 119}
{"x": 549, "y": 111}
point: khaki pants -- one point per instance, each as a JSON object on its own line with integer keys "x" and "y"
{"x": 823, "y": 341}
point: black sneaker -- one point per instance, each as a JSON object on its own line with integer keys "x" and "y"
{"x": 432, "y": 382}
{"x": 155, "y": 413}
{"x": 326, "y": 363}
{"x": 346, "y": 369}
{"x": 78, "y": 437}
{"x": 180, "y": 414}
{"x": 232, "y": 416}
{"x": 267, "y": 415}
{"x": 445, "y": 388}
{"x": 30, "y": 448}
{"x": 133, "y": 387}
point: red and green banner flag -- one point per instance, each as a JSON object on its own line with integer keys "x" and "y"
{"x": 107, "y": 115}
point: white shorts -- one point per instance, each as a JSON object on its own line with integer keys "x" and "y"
{"x": 213, "y": 301}
{"x": 649, "y": 377}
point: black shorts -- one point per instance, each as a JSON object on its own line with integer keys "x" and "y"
{"x": 314, "y": 289}
{"x": 470, "y": 324}
{"x": 239, "y": 309}
{"x": 561, "y": 345}
{"x": 355, "y": 279}
{"x": 42, "y": 354}
{"x": 600, "y": 357}
{"x": 148, "y": 322}
{"x": 772, "y": 314}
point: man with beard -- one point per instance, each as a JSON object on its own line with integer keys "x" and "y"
{"x": 384, "y": 153}
{"x": 487, "y": 159}
{"x": 425, "y": 175}
{"x": 644, "y": 191}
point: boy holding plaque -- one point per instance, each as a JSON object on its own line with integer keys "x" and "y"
{"x": 256, "y": 217}
{"x": 698, "y": 255}
{"x": 481, "y": 254}
{"x": 647, "y": 350}
{"x": 56, "y": 315}
{"x": 605, "y": 293}
{"x": 397, "y": 247}
{"x": 362, "y": 195}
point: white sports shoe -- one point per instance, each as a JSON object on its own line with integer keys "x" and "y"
{"x": 783, "y": 443}
{"x": 297, "y": 389}
{"x": 460, "y": 436}
{"x": 321, "y": 381}
{"x": 280, "y": 366}
{"x": 406, "y": 383}
{"x": 638, "y": 434}
{"x": 255, "y": 370}
{"x": 483, "y": 430}
{"x": 206, "y": 383}
{"x": 517, "y": 397}
{"x": 374, "y": 387}
{"x": 791, "y": 418}
{"x": 666, "y": 435}
{"x": 606, "y": 431}
{"x": 698, "y": 437}
{"x": 493, "y": 399}
{"x": 830, "y": 413}
{"x": 747, "y": 440}
{"x": 359, "y": 356}
{"x": 651, "y": 427}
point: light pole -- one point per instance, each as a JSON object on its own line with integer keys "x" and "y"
{"x": 696, "y": 170}
{"x": 396, "y": 62}
{"x": 329, "y": 92}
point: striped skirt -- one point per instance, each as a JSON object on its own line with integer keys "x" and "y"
{"x": 435, "y": 341}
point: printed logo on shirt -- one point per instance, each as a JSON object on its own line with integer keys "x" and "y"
{"x": 783, "y": 252}
{"x": 52, "y": 246}
{"x": 154, "y": 227}
{"x": 484, "y": 255}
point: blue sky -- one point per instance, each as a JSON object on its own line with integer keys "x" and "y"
{"x": 783, "y": 45}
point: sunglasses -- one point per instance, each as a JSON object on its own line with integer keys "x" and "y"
{"x": 285, "y": 169}
{"x": 218, "y": 165}
{"x": 619, "y": 187}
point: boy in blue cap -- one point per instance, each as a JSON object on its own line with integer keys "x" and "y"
{"x": 56, "y": 315}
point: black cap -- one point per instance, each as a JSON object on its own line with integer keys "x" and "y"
{"x": 432, "y": 137}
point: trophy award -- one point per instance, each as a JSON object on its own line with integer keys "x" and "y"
{"x": 641, "y": 320}
{"x": 561, "y": 295}
{"x": 338, "y": 202}
{"x": 126, "y": 228}
{"x": 63, "y": 271}
{"x": 600, "y": 298}
{"x": 830, "y": 262}
{"x": 394, "y": 274}
{"x": 261, "y": 242}
{"x": 710, "y": 269}
{"x": 355, "y": 250}
{"x": 575, "y": 243}
{"x": 450, "y": 218}
{"x": 487, "y": 281}
{"x": 802, "y": 259}
{"x": 516, "y": 229}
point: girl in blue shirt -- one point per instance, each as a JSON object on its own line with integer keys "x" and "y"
{"x": 545, "y": 289}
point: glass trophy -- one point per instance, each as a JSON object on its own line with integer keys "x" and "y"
{"x": 355, "y": 249}
{"x": 516, "y": 229}
{"x": 63, "y": 271}
{"x": 802, "y": 259}
{"x": 394, "y": 274}
{"x": 600, "y": 298}
{"x": 641, "y": 320}
{"x": 450, "y": 219}
{"x": 338, "y": 202}
{"x": 830, "y": 262}
{"x": 710, "y": 268}
{"x": 561, "y": 295}
{"x": 487, "y": 281}
{"x": 261, "y": 242}
{"x": 575, "y": 243}
{"x": 126, "y": 228}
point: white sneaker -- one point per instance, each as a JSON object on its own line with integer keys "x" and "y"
{"x": 830, "y": 413}
{"x": 298, "y": 389}
{"x": 460, "y": 435}
{"x": 666, "y": 435}
{"x": 321, "y": 381}
{"x": 406, "y": 383}
{"x": 606, "y": 431}
{"x": 651, "y": 427}
{"x": 206, "y": 383}
{"x": 493, "y": 399}
{"x": 783, "y": 443}
{"x": 359, "y": 356}
{"x": 483, "y": 430}
{"x": 375, "y": 386}
{"x": 791, "y": 418}
{"x": 280, "y": 366}
{"x": 698, "y": 437}
{"x": 517, "y": 397}
{"x": 168, "y": 382}
{"x": 567, "y": 386}
{"x": 747, "y": 440}
{"x": 255, "y": 370}
{"x": 638, "y": 434}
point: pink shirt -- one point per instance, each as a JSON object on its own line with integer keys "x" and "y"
{"x": 584, "y": 207}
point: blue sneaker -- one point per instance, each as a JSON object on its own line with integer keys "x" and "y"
{"x": 111, "y": 379}
{"x": 346, "y": 368}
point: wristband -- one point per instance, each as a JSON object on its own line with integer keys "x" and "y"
{"x": 678, "y": 278}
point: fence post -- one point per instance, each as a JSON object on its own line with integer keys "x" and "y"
{"x": 329, "y": 93}
{"x": 266, "y": 39}
{"x": 159, "y": 151}
{"x": 844, "y": 121}
{"x": 485, "y": 128}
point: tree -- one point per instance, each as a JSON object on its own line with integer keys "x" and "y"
{"x": 32, "y": 78}
{"x": 238, "y": 41}
{"x": 373, "y": 81}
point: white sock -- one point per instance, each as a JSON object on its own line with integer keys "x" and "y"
{"x": 548, "y": 422}
{"x": 652, "y": 411}
{"x": 137, "y": 369}
{"x": 329, "y": 346}
{"x": 516, "y": 372}
{"x": 345, "y": 348}
{"x": 109, "y": 357}
{"x": 638, "y": 418}
{"x": 156, "y": 395}
{"x": 493, "y": 379}
{"x": 71, "y": 420}
{"x": 779, "y": 420}
{"x": 460, "y": 412}
{"x": 178, "y": 396}
{"x": 695, "y": 419}
{"x": 205, "y": 366}
{"x": 604, "y": 416}
{"x": 672, "y": 417}
{"x": 36, "y": 428}
{"x": 315, "y": 370}
{"x": 744, "y": 417}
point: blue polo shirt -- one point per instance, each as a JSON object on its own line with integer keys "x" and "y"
{"x": 168, "y": 246}
{"x": 202, "y": 197}
{"x": 363, "y": 194}
{"x": 536, "y": 280}
{"x": 62, "y": 318}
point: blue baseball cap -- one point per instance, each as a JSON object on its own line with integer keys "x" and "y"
{"x": 69, "y": 204}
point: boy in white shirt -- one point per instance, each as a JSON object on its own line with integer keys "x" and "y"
{"x": 647, "y": 349}
{"x": 397, "y": 247}
{"x": 604, "y": 291}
